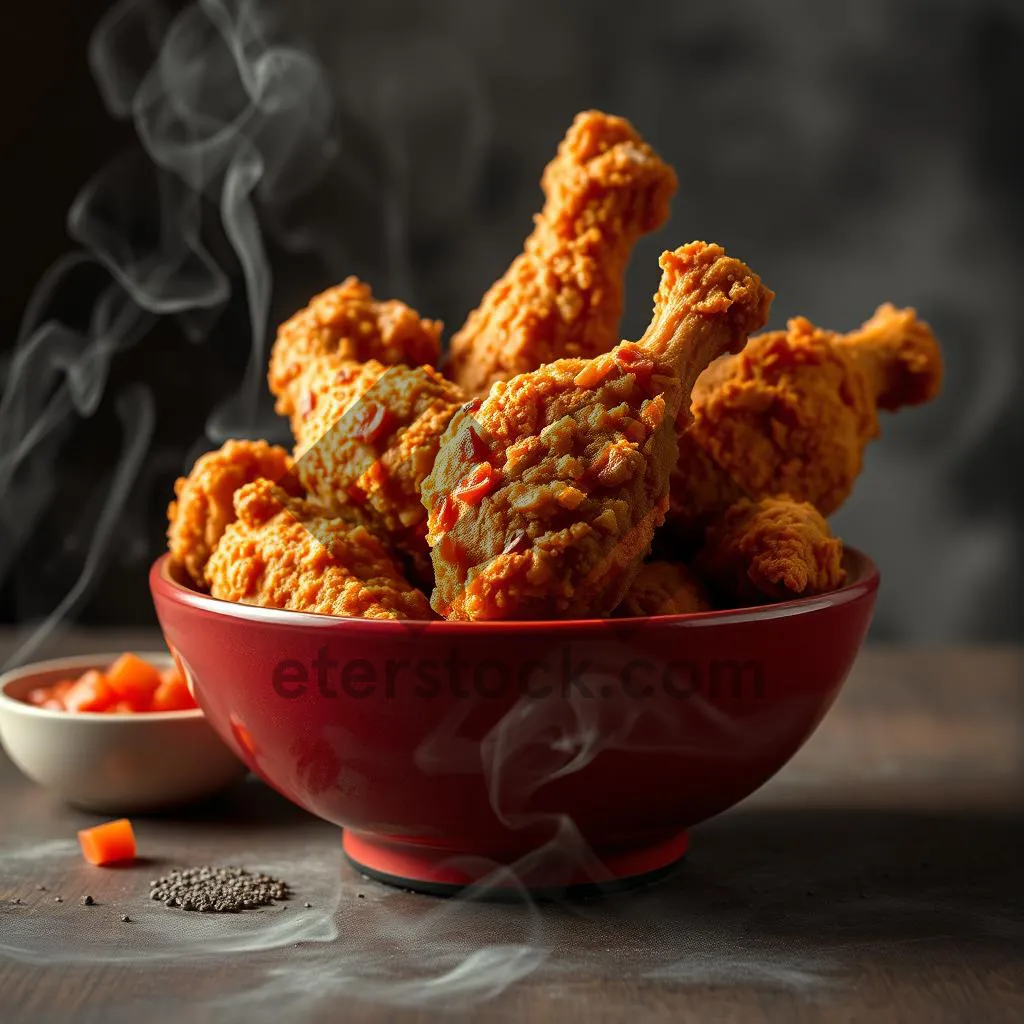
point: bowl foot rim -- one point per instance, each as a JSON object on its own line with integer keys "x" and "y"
{"x": 433, "y": 871}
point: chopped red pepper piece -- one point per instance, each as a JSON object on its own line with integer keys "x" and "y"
{"x": 446, "y": 514}
{"x": 367, "y": 421}
{"x": 450, "y": 550}
{"x": 477, "y": 484}
{"x": 473, "y": 447}
{"x": 631, "y": 359}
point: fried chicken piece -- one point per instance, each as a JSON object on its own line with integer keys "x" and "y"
{"x": 899, "y": 357}
{"x": 545, "y": 494}
{"x": 664, "y": 588}
{"x": 346, "y": 324}
{"x": 204, "y": 500}
{"x": 369, "y": 434}
{"x": 774, "y": 549}
{"x": 562, "y": 296}
{"x": 793, "y": 412}
{"x": 284, "y": 552}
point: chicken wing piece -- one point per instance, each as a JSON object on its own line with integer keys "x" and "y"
{"x": 545, "y": 495}
{"x": 664, "y": 588}
{"x": 369, "y": 435}
{"x": 284, "y": 552}
{"x": 204, "y": 500}
{"x": 346, "y": 324}
{"x": 774, "y": 549}
{"x": 793, "y": 412}
{"x": 562, "y": 296}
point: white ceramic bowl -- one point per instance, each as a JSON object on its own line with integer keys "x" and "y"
{"x": 114, "y": 764}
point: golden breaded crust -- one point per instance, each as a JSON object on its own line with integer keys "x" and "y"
{"x": 291, "y": 553}
{"x": 545, "y": 495}
{"x": 343, "y": 324}
{"x": 774, "y": 549}
{"x": 793, "y": 412}
{"x": 204, "y": 500}
{"x": 562, "y": 297}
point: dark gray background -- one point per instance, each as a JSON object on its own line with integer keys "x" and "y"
{"x": 852, "y": 154}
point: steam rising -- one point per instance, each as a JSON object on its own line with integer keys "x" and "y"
{"x": 229, "y": 123}
{"x": 226, "y": 117}
{"x": 388, "y": 947}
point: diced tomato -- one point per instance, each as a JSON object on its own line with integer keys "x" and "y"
{"x": 174, "y": 674}
{"x": 124, "y": 707}
{"x": 129, "y": 686}
{"x": 108, "y": 843}
{"x": 91, "y": 692}
{"x": 133, "y": 679}
{"x": 172, "y": 694}
{"x": 477, "y": 484}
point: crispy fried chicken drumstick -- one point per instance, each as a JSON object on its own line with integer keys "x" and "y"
{"x": 284, "y": 552}
{"x": 204, "y": 500}
{"x": 342, "y": 325}
{"x": 562, "y": 296}
{"x": 545, "y": 494}
{"x": 793, "y": 412}
{"x": 774, "y": 549}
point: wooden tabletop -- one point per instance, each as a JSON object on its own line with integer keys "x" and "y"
{"x": 878, "y": 877}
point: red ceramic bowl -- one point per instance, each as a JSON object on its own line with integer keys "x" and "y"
{"x": 579, "y": 752}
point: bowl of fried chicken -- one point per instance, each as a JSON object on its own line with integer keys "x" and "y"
{"x": 527, "y": 606}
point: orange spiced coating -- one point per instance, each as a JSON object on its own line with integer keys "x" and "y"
{"x": 545, "y": 495}
{"x": 346, "y": 324}
{"x": 284, "y": 552}
{"x": 793, "y": 412}
{"x": 204, "y": 500}
{"x": 562, "y": 296}
{"x": 774, "y": 549}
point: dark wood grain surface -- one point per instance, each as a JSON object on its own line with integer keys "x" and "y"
{"x": 878, "y": 877}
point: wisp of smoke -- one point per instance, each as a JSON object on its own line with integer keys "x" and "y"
{"x": 229, "y": 123}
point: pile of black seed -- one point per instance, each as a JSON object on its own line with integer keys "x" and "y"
{"x": 225, "y": 890}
